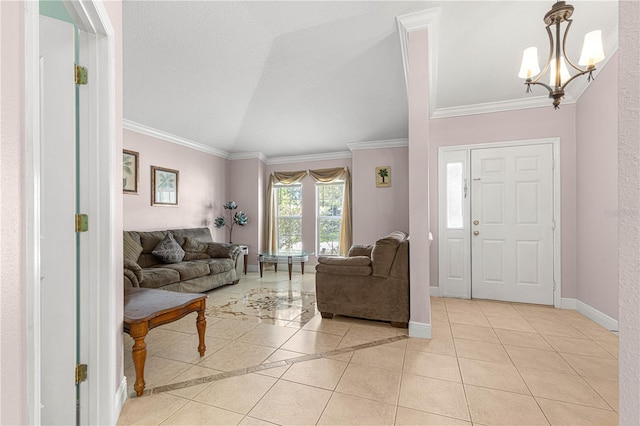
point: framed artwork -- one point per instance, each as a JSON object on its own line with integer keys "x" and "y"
{"x": 164, "y": 186}
{"x": 383, "y": 176}
{"x": 130, "y": 171}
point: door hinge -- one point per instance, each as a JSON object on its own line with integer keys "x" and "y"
{"x": 553, "y": 224}
{"x": 81, "y": 373}
{"x": 82, "y": 222}
{"x": 81, "y": 75}
{"x": 554, "y": 286}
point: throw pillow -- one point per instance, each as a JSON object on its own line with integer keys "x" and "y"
{"x": 168, "y": 250}
{"x": 360, "y": 250}
{"x": 222, "y": 250}
{"x": 194, "y": 249}
{"x": 130, "y": 248}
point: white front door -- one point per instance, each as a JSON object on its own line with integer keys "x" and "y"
{"x": 512, "y": 224}
{"x": 57, "y": 212}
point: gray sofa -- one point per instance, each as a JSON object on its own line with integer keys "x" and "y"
{"x": 372, "y": 282}
{"x": 205, "y": 265}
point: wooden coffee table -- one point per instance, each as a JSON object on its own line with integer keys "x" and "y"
{"x": 146, "y": 308}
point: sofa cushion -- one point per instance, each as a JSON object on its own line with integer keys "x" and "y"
{"x": 360, "y": 250}
{"x": 198, "y": 234}
{"x": 384, "y": 252}
{"x": 345, "y": 261}
{"x": 219, "y": 265}
{"x": 159, "y": 277}
{"x": 168, "y": 250}
{"x": 189, "y": 270}
{"x": 130, "y": 248}
{"x": 194, "y": 249}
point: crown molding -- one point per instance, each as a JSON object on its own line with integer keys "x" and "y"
{"x": 413, "y": 22}
{"x": 310, "y": 157}
{"x": 502, "y": 106}
{"x": 248, "y": 155}
{"x": 389, "y": 143}
{"x": 168, "y": 137}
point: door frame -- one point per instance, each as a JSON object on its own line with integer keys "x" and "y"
{"x": 557, "y": 210}
{"x": 97, "y": 263}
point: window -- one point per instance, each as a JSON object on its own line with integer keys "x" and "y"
{"x": 455, "y": 196}
{"x": 329, "y": 217}
{"x": 289, "y": 216}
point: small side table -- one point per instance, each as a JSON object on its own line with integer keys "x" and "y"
{"x": 146, "y": 308}
{"x": 245, "y": 251}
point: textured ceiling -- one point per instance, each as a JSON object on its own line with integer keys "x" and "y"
{"x": 298, "y": 77}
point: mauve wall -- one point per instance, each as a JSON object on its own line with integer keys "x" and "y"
{"x": 201, "y": 187}
{"x": 243, "y": 186}
{"x": 378, "y": 211}
{"x": 419, "y": 142}
{"x": 597, "y": 192}
{"x": 511, "y": 126}
{"x": 308, "y": 197}
{"x": 13, "y": 347}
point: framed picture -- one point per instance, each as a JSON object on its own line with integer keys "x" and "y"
{"x": 130, "y": 174}
{"x": 383, "y": 176}
{"x": 164, "y": 186}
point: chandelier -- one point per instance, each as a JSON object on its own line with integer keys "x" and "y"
{"x": 559, "y": 76}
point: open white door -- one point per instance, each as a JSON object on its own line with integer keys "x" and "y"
{"x": 512, "y": 247}
{"x": 57, "y": 225}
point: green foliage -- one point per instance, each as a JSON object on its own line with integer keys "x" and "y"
{"x": 383, "y": 173}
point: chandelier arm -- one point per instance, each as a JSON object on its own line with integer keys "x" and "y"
{"x": 546, "y": 67}
{"x": 546, "y": 86}
{"x": 582, "y": 72}
{"x": 564, "y": 41}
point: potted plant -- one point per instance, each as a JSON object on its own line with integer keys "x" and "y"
{"x": 231, "y": 218}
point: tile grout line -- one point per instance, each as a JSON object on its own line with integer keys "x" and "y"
{"x": 261, "y": 367}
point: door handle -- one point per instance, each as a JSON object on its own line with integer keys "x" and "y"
{"x": 476, "y": 232}
{"x": 475, "y": 222}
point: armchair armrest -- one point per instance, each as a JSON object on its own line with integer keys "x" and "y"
{"x": 360, "y": 250}
{"x": 356, "y": 265}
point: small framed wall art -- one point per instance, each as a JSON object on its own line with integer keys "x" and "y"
{"x": 130, "y": 171}
{"x": 383, "y": 176}
{"x": 164, "y": 186}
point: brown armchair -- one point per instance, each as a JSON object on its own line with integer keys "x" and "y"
{"x": 372, "y": 282}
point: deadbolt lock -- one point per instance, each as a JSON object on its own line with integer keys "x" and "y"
{"x": 475, "y": 222}
{"x": 476, "y": 232}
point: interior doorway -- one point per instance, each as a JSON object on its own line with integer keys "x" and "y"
{"x": 97, "y": 189}
{"x": 499, "y": 222}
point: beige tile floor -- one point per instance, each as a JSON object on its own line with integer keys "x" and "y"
{"x": 488, "y": 363}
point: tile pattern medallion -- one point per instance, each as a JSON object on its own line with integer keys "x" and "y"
{"x": 266, "y": 305}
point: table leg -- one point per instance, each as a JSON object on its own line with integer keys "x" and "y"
{"x": 246, "y": 259}
{"x": 275, "y": 266}
{"x": 201, "y": 325}
{"x": 139, "y": 354}
{"x": 290, "y": 262}
{"x": 260, "y": 261}
{"x": 302, "y": 267}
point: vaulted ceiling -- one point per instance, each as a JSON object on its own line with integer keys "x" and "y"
{"x": 303, "y": 77}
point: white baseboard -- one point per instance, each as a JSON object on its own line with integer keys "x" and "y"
{"x": 419, "y": 329}
{"x": 121, "y": 396}
{"x": 434, "y": 291}
{"x": 590, "y": 312}
{"x": 595, "y": 315}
